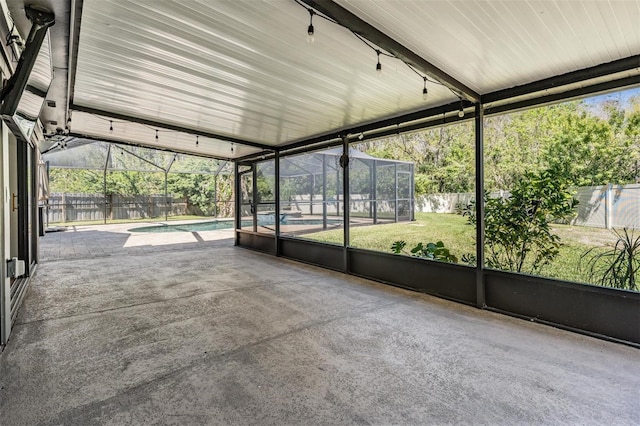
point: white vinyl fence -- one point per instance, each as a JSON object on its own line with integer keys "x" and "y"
{"x": 609, "y": 206}
{"x": 606, "y": 206}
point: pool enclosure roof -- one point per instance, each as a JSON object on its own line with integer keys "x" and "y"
{"x": 106, "y": 156}
{"x": 239, "y": 77}
{"x": 319, "y": 162}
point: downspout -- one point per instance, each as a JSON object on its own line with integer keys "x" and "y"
{"x": 12, "y": 92}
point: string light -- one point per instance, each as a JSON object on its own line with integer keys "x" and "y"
{"x": 373, "y": 47}
{"x": 310, "y": 31}
{"x": 424, "y": 90}
{"x": 461, "y": 111}
{"x": 62, "y": 144}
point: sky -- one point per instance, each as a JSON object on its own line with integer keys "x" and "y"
{"x": 622, "y": 96}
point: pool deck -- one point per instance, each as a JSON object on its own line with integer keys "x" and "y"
{"x": 122, "y": 328}
{"x": 118, "y": 239}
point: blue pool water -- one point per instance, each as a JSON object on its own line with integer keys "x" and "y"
{"x": 263, "y": 220}
{"x": 187, "y": 227}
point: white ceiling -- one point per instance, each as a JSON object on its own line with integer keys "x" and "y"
{"x": 242, "y": 69}
{"x": 493, "y": 45}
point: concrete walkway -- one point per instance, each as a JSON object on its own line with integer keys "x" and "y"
{"x": 126, "y": 330}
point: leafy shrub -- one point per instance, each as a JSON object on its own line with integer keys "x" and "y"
{"x": 433, "y": 251}
{"x": 518, "y": 236}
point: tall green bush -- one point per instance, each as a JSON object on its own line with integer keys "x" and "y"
{"x": 518, "y": 235}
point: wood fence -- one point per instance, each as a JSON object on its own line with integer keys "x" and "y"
{"x": 65, "y": 207}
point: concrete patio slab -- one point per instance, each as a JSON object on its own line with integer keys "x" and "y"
{"x": 200, "y": 332}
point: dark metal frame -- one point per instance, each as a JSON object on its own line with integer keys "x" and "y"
{"x": 602, "y": 312}
{"x": 602, "y": 70}
{"x": 479, "y": 130}
{"x": 605, "y": 313}
{"x": 608, "y": 313}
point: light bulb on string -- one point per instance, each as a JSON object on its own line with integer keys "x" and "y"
{"x": 197, "y": 141}
{"x": 424, "y": 90}
{"x": 232, "y": 147}
{"x": 310, "y": 31}
{"x": 461, "y": 111}
{"x": 156, "y": 134}
{"x": 110, "y": 126}
{"x": 378, "y": 65}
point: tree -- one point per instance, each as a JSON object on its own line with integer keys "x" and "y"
{"x": 632, "y": 131}
{"x": 585, "y": 149}
{"x": 201, "y": 190}
{"x": 518, "y": 236}
{"x": 75, "y": 181}
{"x": 443, "y": 157}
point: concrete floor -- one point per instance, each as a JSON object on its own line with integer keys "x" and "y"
{"x": 128, "y": 329}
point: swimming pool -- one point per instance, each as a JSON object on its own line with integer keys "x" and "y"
{"x": 186, "y": 227}
{"x": 213, "y": 225}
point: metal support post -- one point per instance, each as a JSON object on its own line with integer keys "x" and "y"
{"x": 413, "y": 193}
{"x": 215, "y": 196}
{"x": 276, "y": 214}
{"x": 166, "y": 199}
{"x": 395, "y": 186}
{"x": 338, "y": 191}
{"x": 313, "y": 186}
{"x": 215, "y": 187}
{"x": 166, "y": 178}
{"x": 324, "y": 192}
{"x": 372, "y": 192}
{"x": 479, "y": 127}
{"x": 344, "y": 164}
{"x": 104, "y": 182}
{"x": 236, "y": 217}
{"x": 254, "y": 196}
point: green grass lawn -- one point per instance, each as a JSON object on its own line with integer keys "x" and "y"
{"x": 452, "y": 230}
{"x": 459, "y": 238}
